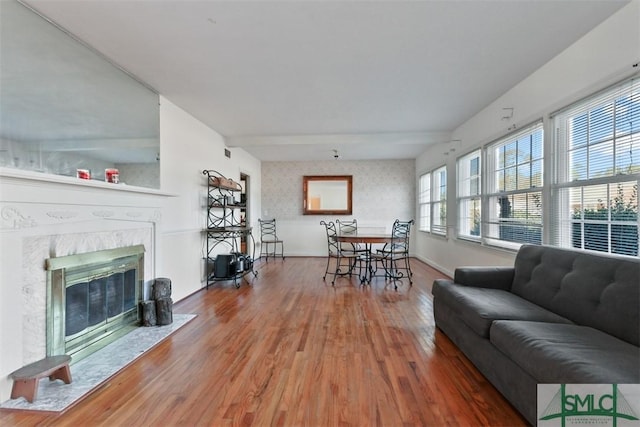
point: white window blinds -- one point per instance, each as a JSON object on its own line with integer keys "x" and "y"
{"x": 597, "y": 172}
{"x": 514, "y": 188}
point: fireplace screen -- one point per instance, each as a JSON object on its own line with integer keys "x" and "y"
{"x": 93, "y": 299}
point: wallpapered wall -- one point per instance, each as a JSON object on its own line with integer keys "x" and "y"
{"x": 383, "y": 190}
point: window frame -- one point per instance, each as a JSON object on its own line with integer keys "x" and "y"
{"x": 613, "y": 187}
{"x": 497, "y": 201}
{"x": 439, "y": 199}
{"x": 424, "y": 202}
{"x": 465, "y": 195}
{"x": 429, "y": 199}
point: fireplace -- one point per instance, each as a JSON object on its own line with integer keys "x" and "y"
{"x": 92, "y": 299}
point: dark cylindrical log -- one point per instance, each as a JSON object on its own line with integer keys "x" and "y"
{"x": 164, "y": 314}
{"x": 161, "y": 288}
{"x": 148, "y": 309}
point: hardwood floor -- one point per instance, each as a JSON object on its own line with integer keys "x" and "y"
{"x": 291, "y": 350}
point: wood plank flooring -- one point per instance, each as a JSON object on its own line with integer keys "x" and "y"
{"x": 292, "y": 350}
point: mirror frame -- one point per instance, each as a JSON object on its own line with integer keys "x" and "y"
{"x": 348, "y": 179}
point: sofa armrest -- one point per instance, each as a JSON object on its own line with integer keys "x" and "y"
{"x": 485, "y": 277}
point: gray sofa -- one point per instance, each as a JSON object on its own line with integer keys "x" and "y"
{"x": 557, "y": 316}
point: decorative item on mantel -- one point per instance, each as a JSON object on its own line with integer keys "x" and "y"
{"x": 158, "y": 310}
{"x": 83, "y": 173}
{"x": 112, "y": 175}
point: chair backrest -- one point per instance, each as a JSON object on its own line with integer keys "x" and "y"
{"x": 268, "y": 229}
{"x": 400, "y": 233}
{"x": 346, "y": 228}
{"x": 332, "y": 244}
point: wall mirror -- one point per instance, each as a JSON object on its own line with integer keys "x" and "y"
{"x": 65, "y": 107}
{"x": 327, "y": 195}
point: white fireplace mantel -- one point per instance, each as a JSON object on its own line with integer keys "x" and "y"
{"x": 45, "y": 180}
{"x": 32, "y": 199}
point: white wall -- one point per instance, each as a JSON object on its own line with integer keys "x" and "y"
{"x": 603, "y": 56}
{"x": 187, "y": 147}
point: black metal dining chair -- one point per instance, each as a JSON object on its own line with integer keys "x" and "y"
{"x": 345, "y": 261}
{"x": 350, "y": 228}
{"x": 394, "y": 256}
{"x": 268, "y": 238}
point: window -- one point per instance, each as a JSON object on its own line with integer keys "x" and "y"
{"x": 469, "y": 192}
{"x": 424, "y": 202}
{"x": 598, "y": 171}
{"x": 439, "y": 197}
{"x": 514, "y": 188}
{"x": 432, "y": 200}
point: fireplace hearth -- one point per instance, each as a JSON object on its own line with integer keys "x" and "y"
{"x": 92, "y": 299}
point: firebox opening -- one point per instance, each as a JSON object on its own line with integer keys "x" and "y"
{"x": 93, "y": 299}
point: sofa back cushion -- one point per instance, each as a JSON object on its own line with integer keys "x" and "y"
{"x": 592, "y": 290}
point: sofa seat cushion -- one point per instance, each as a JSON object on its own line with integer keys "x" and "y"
{"x": 567, "y": 353}
{"x": 479, "y": 307}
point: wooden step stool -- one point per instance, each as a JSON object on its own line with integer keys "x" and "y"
{"x": 25, "y": 379}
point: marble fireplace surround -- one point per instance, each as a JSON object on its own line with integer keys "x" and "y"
{"x": 44, "y": 216}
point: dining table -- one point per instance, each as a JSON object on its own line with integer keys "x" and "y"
{"x": 366, "y": 239}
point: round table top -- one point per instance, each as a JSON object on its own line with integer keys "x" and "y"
{"x": 364, "y": 238}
